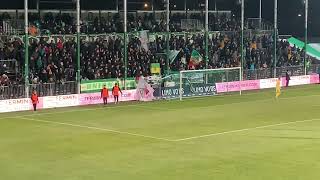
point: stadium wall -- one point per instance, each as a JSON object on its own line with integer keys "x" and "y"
{"x": 24, "y": 104}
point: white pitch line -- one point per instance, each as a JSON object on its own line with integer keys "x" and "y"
{"x": 96, "y": 128}
{"x": 75, "y": 110}
{"x": 243, "y": 130}
{"x": 164, "y": 139}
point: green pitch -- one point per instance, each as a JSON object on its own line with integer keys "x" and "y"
{"x": 249, "y": 137}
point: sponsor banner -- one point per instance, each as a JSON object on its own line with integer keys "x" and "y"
{"x": 96, "y": 85}
{"x": 187, "y": 91}
{"x": 24, "y": 104}
{"x": 200, "y": 90}
{"x": 314, "y": 79}
{"x": 61, "y": 101}
{"x": 235, "y": 86}
{"x": 166, "y": 92}
{"x": 95, "y": 98}
{"x": 296, "y": 80}
{"x": 268, "y": 83}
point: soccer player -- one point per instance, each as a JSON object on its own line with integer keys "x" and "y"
{"x": 34, "y": 99}
{"x": 278, "y": 87}
{"x": 115, "y": 92}
{"x": 105, "y": 95}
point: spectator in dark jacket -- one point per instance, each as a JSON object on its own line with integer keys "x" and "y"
{"x": 287, "y": 79}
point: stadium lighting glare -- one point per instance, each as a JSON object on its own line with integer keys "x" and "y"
{"x": 146, "y": 5}
{"x": 299, "y": 15}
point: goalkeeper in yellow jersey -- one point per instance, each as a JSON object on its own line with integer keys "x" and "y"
{"x": 278, "y": 87}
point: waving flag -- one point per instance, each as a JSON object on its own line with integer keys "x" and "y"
{"x": 196, "y": 58}
{"x": 172, "y": 55}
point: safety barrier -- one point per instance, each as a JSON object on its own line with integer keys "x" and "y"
{"x": 24, "y": 104}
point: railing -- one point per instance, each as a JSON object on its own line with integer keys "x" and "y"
{"x": 47, "y": 89}
{"x": 10, "y": 66}
{"x": 254, "y": 23}
{"x": 9, "y": 27}
{"x": 280, "y": 71}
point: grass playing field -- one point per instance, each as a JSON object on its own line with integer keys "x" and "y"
{"x": 249, "y": 137}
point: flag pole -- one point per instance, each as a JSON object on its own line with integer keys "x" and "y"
{"x": 26, "y": 48}
{"x": 78, "y": 47}
{"x": 125, "y": 42}
{"x": 275, "y": 36}
{"x": 207, "y": 33}
{"x": 260, "y": 14}
{"x": 168, "y": 35}
{"x": 242, "y": 42}
{"x": 306, "y": 36}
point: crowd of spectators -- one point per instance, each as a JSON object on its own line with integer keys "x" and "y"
{"x": 66, "y": 24}
{"x": 3, "y": 17}
{"x": 101, "y": 59}
{"x": 104, "y": 57}
{"x": 224, "y": 52}
{"x": 48, "y": 61}
{"x": 54, "y": 60}
{"x": 10, "y": 49}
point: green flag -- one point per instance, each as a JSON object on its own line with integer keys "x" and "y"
{"x": 196, "y": 58}
{"x": 311, "y": 51}
{"x": 172, "y": 55}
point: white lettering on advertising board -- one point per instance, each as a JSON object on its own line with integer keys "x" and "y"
{"x": 12, "y": 105}
{"x": 268, "y": 83}
{"x": 61, "y": 101}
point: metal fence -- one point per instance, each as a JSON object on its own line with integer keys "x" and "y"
{"x": 11, "y": 27}
{"x": 280, "y": 71}
{"x": 9, "y": 66}
{"x": 47, "y": 89}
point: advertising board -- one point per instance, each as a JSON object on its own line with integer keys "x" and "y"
{"x": 235, "y": 86}
{"x": 12, "y": 105}
{"x": 61, "y": 101}
{"x": 95, "y": 98}
{"x": 187, "y": 91}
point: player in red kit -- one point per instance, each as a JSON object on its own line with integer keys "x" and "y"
{"x": 105, "y": 95}
{"x": 115, "y": 92}
{"x": 34, "y": 99}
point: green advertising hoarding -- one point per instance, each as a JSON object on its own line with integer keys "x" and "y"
{"x": 96, "y": 85}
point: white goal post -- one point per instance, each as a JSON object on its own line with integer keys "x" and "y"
{"x": 208, "y": 82}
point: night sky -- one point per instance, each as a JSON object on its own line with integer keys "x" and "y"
{"x": 289, "y": 22}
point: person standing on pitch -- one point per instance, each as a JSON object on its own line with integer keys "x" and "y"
{"x": 105, "y": 95}
{"x": 278, "y": 88}
{"x": 287, "y": 78}
{"x": 115, "y": 92}
{"x": 34, "y": 99}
